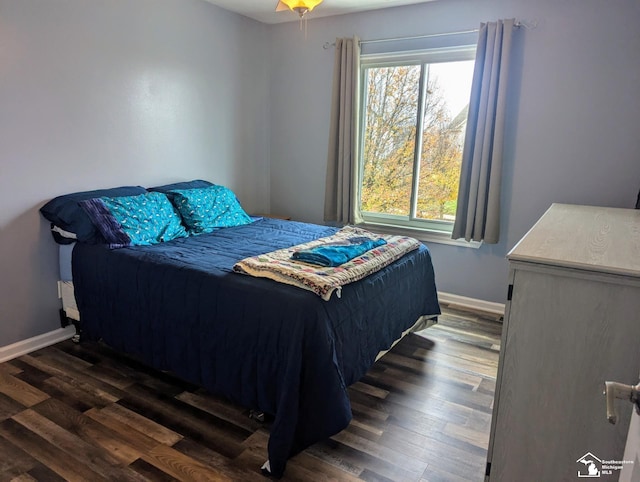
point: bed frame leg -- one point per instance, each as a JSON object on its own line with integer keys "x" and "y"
{"x": 66, "y": 321}
{"x": 77, "y": 338}
{"x": 256, "y": 415}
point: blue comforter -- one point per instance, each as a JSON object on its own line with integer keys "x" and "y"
{"x": 268, "y": 346}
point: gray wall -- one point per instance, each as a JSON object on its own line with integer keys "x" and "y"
{"x": 98, "y": 94}
{"x": 572, "y": 133}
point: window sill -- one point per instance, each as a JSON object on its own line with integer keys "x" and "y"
{"x": 427, "y": 236}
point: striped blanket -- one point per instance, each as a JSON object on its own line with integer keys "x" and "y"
{"x": 323, "y": 281}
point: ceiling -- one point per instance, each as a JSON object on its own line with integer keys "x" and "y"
{"x": 264, "y": 10}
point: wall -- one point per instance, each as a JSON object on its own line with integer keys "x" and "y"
{"x": 101, "y": 94}
{"x": 572, "y": 133}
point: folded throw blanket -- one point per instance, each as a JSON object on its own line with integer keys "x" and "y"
{"x": 337, "y": 253}
{"x": 324, "y": 280}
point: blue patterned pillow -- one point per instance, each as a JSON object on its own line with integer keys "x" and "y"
{"x": 142, "y": 220}
{"x": 65, "y": 213}
{"x": 206, "y": 209}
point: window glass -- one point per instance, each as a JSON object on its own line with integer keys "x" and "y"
{"x": 389, "y": 139}
{"x": 414, "y": 113}
{"x": 445, "y": 121}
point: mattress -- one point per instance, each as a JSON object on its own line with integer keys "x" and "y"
{"x": 66, "y": 294}
{"x": 64, "y": 257}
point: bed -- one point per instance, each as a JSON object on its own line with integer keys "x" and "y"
{"x": 267, "y": 346}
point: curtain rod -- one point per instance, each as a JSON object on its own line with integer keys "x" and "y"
{"x": 415, "y": 37}
{"x": 518, "y": 24}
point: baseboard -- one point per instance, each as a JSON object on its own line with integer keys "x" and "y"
{"x": 471, "y": 303}
{"x": 23, "y": 347}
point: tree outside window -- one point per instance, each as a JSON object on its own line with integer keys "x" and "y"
{"x": 414, "y": 119}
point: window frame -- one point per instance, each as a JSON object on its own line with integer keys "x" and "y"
{"x": 437, "y": 230}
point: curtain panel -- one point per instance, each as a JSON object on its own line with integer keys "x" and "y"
{"x": 478, "y": 210}
{"x": 340, "y": 204}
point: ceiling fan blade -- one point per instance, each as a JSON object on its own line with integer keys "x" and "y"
{"x": 281, "y": 6}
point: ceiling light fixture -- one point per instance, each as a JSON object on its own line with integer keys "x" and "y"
{"x": 302, "y": 7}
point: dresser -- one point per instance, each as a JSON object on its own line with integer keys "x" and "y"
{"x": 572, "y": 321}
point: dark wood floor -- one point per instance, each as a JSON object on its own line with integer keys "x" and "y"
{"x": 82, "y": 412}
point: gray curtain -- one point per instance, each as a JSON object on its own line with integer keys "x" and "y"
{"x": 478, "y": 211}
{"x": 340, "y": 203}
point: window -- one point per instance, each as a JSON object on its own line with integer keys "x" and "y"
{"x": 413, "y": 118}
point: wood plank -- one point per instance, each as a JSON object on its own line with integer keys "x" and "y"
{"x": 23, "y": 478}
{"x": 221, "y": 409}
{"x": 64, "y": 359}
{"x": 62, "y": 369}
{"x": 166, "y": 459}
{"x": 150, "y": 472}
{"x": 476, "y": 437}
{"x": 411, "y": 467}
{"x": 186, "y": 420}
{"x": 110, "y": 376}
{"x": 339, "y": 453}
{"x": 20, "y": 391}
{"x": 142, "y": 424}
{"x": 48, "y": 454}
{"x": 30, "y": 374}
{"x": 9, "y": 407}
{"x": 370, "y": 390}
{"x": 329, "y": 471}
{"x": 130, "y": 435}
{"x": 90, "y": 396}
{"x": 9, "y": 368}
{"x": 89, "y": 430}
{"x": 223, "y": 465}
{"x": 299, "y": 468}
{"x": 13, "y": 460}
{"x": 76, "y": 449}
{"x": 41, "y": 472}
{"x": 181, "y": 466}
{"x": 407, "y": 387}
